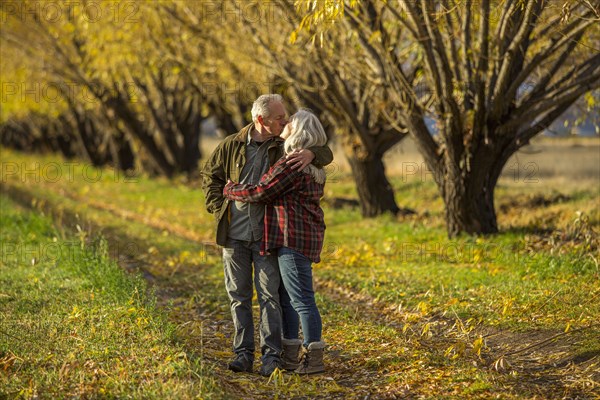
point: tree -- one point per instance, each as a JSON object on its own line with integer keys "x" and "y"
{"x": 496, "y": 74}
{"x": 227, "y": 78}
{"x": 332, "y": 82}
{"x": 59, "y": 114}
{"x": 118, "y": 90}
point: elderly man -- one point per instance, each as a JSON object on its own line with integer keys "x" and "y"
{"x": 244, "y": 158}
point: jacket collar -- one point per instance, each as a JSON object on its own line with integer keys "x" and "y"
{"x": 242, "y": 135}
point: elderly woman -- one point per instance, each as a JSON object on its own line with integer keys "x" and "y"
{"x": 294, "y": 229}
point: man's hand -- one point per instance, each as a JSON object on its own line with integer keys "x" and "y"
{"x": 300, "y": 159}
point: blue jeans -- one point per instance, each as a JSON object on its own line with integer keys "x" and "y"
{"x": 297, "y": 297}
{"x": 238, "y": 258}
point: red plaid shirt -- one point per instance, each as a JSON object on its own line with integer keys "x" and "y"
{"x": 293, "y": 216}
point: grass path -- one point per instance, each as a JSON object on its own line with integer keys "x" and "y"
{"x": 196, "y": 303}
{"x": 377, "y": 348}
{"x": 376, "y": 353}
{"x": 74, "y": 325}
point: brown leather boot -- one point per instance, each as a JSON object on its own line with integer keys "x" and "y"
{"x": 312, "y": 359}
{"x": 291, "y": 353}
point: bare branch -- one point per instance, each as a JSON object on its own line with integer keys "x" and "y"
{"x": 571, "y": 35}
{"x": 585, "y": 80}
{"x": 513, "y": 58}
{"x": 400, "y": 18}
{"x": 480, "y": 109}
{"x": 452, "y": 32}
{"x": 544, "y": 92}
{"x": 525, "y": 135}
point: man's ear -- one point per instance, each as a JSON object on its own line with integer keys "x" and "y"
{"x": 260, "y": 120}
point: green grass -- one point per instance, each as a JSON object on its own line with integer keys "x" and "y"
{"x": 518, "y": 279}
{"x": 496, "y": 278}
{"x": 404, "y": 307}
{"x": 74, "y": 324}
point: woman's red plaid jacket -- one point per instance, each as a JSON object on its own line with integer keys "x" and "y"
{"x": 293, "y": 216}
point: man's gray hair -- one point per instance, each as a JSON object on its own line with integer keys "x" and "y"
{"x": 261, "y": 105}
{"x": 306, "y": 131}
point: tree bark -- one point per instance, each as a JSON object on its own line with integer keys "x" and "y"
{"x": 188, "y": 120}
{"x": 122, "y": 152}
{"x": 469, "y": 207}
{"x": 468, "y": 191}
{"x": 155, "y": 155}
{"x": 374, "y": 190}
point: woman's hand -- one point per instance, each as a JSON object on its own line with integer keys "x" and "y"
{"x": 299, "y": 159}
{"x": 227, "y": 187}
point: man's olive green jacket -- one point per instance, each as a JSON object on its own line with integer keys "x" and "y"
{"x": 226, "y": 163}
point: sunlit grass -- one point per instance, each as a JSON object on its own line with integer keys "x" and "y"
{"x": 74, "y": 324}
{"x": 435, "y": 301}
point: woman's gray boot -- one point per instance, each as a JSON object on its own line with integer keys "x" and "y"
{"x": 291, "y": 353}
{"x": 312, "y": 359}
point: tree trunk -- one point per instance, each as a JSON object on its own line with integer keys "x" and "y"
{"x": 374, "y": 190}
{"x": 65, "y": 140}
{"x": 191, "y": 152}
{"x": 121, "y": 151}
{"x": 225, "y": 123}
{"x": 155, "y": 155}
{"x": 469, "y": 194}
{"x": 86, "y": 136}
{"x": 188, "y": 120}
{"x": 469, "y": 207}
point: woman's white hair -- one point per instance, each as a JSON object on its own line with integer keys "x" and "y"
{"x": 261, "y": 105}
{"x": 306, "y": 131}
